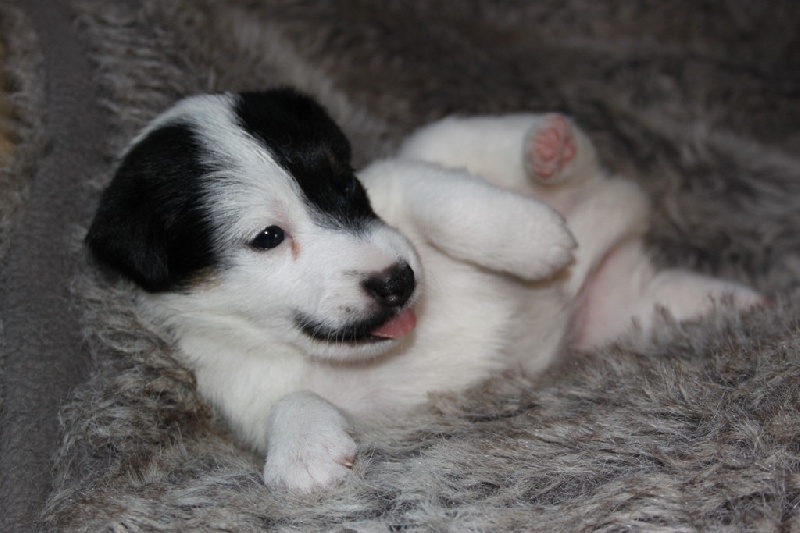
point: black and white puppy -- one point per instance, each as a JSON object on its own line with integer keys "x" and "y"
{"x": 298, "y": 308}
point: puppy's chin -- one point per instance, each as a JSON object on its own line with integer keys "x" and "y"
{"x": 344, "y": 353}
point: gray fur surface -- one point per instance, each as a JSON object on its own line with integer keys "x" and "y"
{"x": 21, "y": 100}
{"x": 695, "y": 429}
{"x": 21, "y": 121}
{"x": 43, "y": 199}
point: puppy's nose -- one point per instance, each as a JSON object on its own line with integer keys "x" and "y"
{"x": 393, "y": 286}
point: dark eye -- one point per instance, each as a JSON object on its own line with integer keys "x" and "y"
{"x": 349, "y": 185}
{"x": 269, "y": 238}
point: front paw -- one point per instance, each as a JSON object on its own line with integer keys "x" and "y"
{"x": 551, "y": 247}
{"x": 538, "y": 244}
{"x": 310, "y": 447}
{"x": 311, "y": 465}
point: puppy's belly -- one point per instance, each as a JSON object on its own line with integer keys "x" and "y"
{"x": 538, "y": 331}
{"x": 605, "y": 306}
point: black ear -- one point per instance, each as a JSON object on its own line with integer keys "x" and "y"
{"x": 151, "y": 224}
{"x": 306, "y": 142}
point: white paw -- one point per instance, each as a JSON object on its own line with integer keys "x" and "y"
{"x": 310, "y": 447}
{"x": 313, "y": 463}
{"x": 540, "y": 243}
{"x": 742, "y": 298}
{"x": 555, "y": 251}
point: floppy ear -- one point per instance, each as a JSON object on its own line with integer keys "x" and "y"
{"x": 150, "y": 225}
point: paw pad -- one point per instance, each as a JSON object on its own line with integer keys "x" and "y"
{"x": 550, "y": 148}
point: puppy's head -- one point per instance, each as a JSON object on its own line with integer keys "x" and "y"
{"x": 242, "y": 211}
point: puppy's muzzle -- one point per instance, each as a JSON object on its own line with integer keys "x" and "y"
{"x": 391, "y": 287}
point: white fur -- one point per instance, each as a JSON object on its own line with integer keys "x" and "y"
{"x": 501, "y": 288}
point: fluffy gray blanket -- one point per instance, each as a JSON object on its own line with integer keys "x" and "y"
{"x": 696, "y": 428}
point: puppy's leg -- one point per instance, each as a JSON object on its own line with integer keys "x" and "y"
{"x": 489, "y": 147}
{"x": 690, "y": 295}
{"x": 471, "y": 220}
{"x": 626, "y": 290}
{"x": 526, "y": 153}
{"x": 309, "y": 446}
{"x": 608, "y": 213}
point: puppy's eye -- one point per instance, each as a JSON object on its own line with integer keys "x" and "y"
{"x": 269, "y": 238}
{"x": 349, "y": 185}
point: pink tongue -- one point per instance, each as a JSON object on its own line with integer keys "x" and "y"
{"x": 399, "y": 326}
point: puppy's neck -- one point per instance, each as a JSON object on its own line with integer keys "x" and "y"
{"x": 230, "y": 358}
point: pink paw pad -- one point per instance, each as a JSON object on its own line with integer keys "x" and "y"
{"x": 551, "y": 148}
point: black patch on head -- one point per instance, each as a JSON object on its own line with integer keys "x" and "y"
{"x": 309, "y": 145}
{"x": 152, "y": 225}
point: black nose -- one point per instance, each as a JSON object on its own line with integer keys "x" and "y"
{"x": 393, "y": 286}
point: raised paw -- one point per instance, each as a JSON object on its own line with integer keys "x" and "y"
{"x": 536, "y": 242}
{"x": 547, "y": 248}
{"x": 549, "y": 147}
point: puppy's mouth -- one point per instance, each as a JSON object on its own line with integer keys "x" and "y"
{"x": 384, "y": 327}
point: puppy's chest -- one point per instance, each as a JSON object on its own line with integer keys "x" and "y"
{"x": 456, "y": 346}
{"x": 386, "y": 389}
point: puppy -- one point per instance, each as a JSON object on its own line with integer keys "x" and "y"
{"x": 300, "y": 309}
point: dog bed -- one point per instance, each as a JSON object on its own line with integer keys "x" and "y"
{"x": 694, "y": 428}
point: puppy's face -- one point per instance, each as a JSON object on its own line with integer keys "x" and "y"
{"x": 244, "y": 210}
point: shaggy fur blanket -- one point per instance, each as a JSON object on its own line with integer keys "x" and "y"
{"x": 694, "y": 428}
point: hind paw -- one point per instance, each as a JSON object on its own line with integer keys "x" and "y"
{"x": 550, "y": 147}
